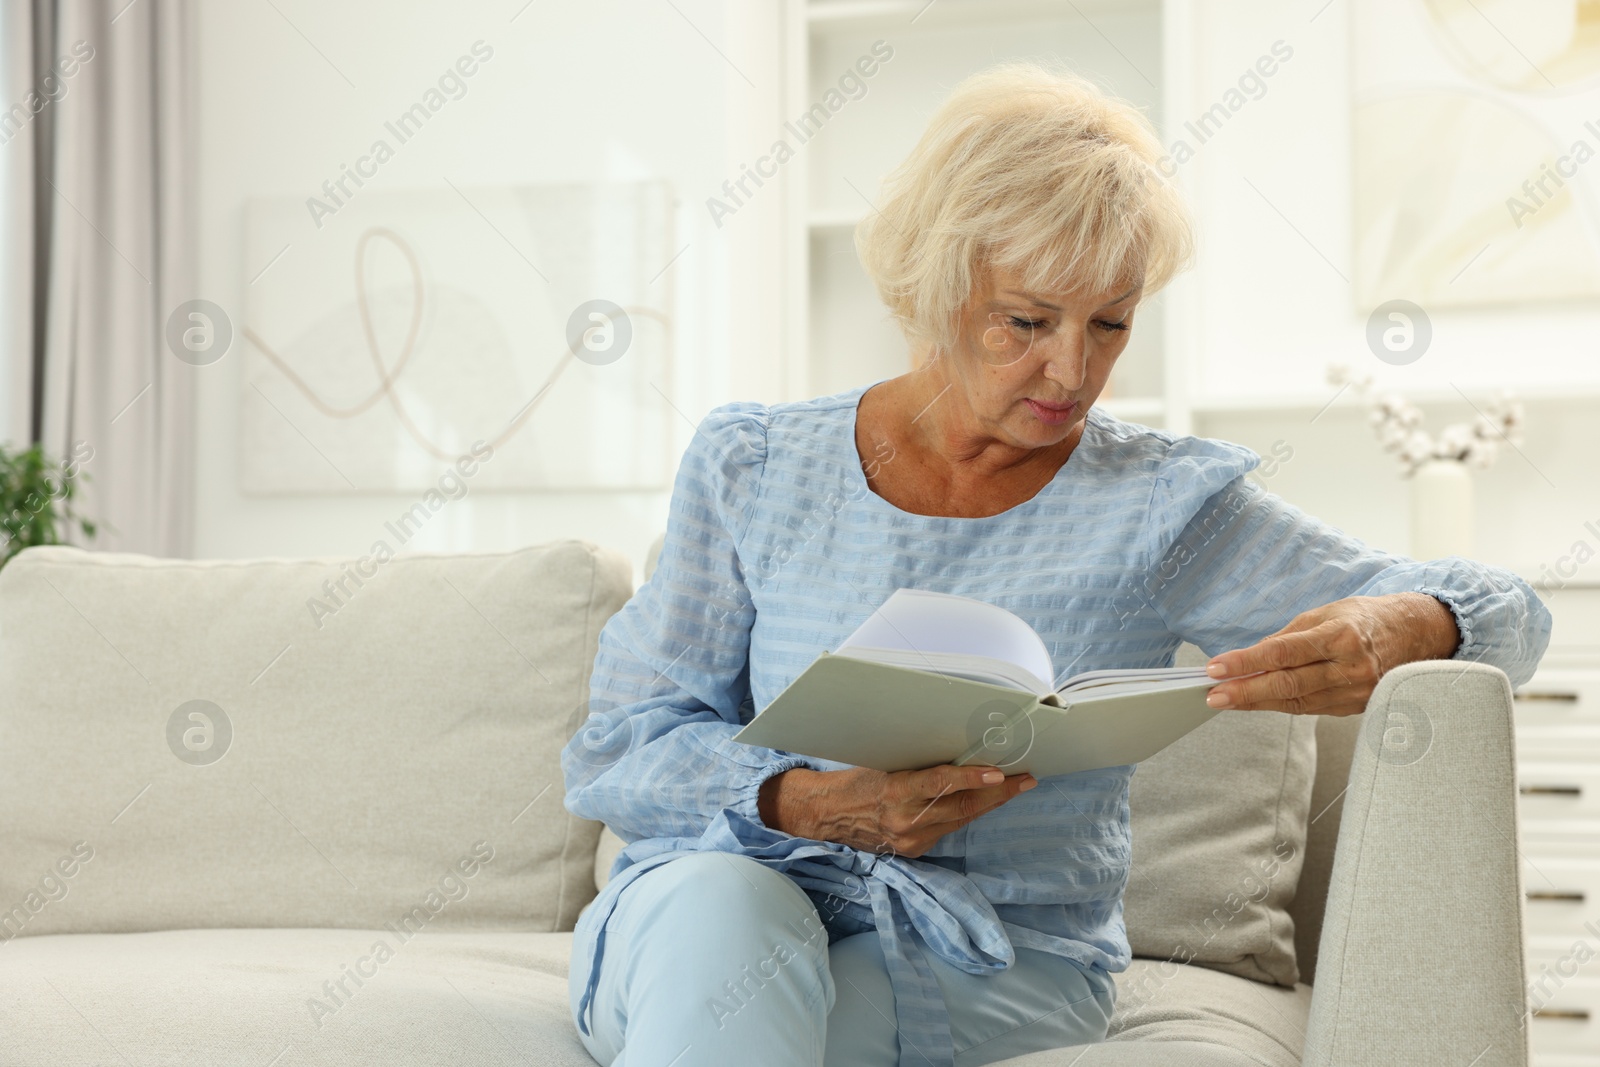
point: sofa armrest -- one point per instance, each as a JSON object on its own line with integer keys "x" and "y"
{"x": 1421, "y": 959}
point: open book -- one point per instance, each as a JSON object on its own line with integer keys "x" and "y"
{"x": 932, "y": 678}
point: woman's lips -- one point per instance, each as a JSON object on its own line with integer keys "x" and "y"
{"x": 1051, "y": 415}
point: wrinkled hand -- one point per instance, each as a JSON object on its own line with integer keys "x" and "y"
{"x": 900, "y": 813}
{"x": 1328, "y": 660}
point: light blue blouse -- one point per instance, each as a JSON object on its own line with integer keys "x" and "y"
{"x": 776, "y": 549}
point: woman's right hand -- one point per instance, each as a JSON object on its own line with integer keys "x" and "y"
{"x": 890, "y": 813}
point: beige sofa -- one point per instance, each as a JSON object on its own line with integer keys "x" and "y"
{"x": 271, "y": 813}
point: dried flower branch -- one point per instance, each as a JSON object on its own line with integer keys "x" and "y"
{"x": 1398, "y": 424}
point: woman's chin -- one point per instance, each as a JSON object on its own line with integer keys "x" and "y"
{"x": 1031, "y": 433}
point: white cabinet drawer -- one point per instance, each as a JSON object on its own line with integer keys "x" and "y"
{"x": 1564, "y": 996}
{"x": 1562, "y": 893}
{"x": 1558, "y": 790}
{"x": 1559, "y": 698}
{"x": 1567, "y": 1027}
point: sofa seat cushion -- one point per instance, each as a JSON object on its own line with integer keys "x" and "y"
{"x": 1172, "y": 1015}
{"x": 245, "y": 997}
{"x": 256, "y": 997}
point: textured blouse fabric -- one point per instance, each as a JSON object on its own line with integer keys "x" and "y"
{"x": 776, "y": 549}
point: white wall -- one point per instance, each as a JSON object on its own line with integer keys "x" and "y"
{"x": 1272, "y": 312}
{"x": 577, "y": 91}
{"x": 607, "y": 89}
{"x": 1275, "y": 308}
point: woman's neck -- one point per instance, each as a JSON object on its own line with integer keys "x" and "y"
{"x": 929, "y": 410}
{"x": 943, "y": 468}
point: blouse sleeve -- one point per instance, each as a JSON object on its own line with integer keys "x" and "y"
{"x": 655, "y": 757}
{"x": 1246, "y": 562}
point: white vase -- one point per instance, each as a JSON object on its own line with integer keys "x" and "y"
{"x": 1441, "y": 510}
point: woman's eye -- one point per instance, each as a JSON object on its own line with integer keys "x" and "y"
{"x": 1112, "y": 327}
{"x": 1026, "y": 324}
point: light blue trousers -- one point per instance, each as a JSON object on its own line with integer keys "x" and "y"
{"x": 684, "y": 982}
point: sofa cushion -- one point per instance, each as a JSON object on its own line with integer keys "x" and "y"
{"x": 1219, "y": 834}
{"x": 244, "y": 997}
{"x": 312, "y": 743}
{"x": 249, "y": 998}
{"x": 1174, "y": 1016}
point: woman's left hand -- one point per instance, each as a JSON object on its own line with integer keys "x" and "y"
{"x": 1328, "y": 660}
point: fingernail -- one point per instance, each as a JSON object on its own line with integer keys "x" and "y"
{"x": 1029, "y": 784}
{"x": 1216, "y": 670}
{"x": 1217, "y": 700}
{"x": 993, "y": 777}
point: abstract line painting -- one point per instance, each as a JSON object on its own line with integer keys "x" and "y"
{"x": 382, "y": 345}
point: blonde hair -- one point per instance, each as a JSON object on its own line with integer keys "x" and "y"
{"x": 1029, "y": 171}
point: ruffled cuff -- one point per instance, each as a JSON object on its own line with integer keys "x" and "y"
{"x": 1467, "y": 647}
{"x": 1502, "y": 621}
{"x": 749, "y": 793}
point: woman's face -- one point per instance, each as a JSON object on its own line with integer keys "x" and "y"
{"x": 1031, "y": 364}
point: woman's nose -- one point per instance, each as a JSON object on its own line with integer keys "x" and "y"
{"x": 1067, "y": 364}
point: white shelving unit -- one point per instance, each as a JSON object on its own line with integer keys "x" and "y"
{"x": 837, "y": 333}
{"x": 1558, "y": 771}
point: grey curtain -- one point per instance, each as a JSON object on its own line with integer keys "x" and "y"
{"x": 109, "y": 121}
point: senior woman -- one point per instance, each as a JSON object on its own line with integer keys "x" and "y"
{"x": 781, "y": 910}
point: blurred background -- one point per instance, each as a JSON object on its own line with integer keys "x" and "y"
{"x": 271, "y": 266}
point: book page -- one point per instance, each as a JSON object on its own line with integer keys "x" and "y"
{"x": 1131, "y": 678}
{"x": 917, "y": 620}
{"x": 953, "y": 664}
